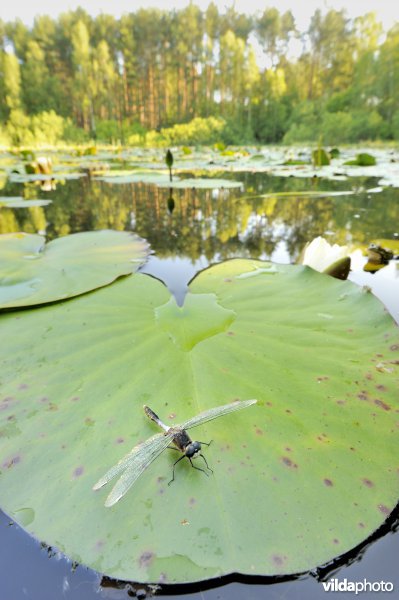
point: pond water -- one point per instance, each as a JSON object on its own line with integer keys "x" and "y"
{"x": 189, "y": 230}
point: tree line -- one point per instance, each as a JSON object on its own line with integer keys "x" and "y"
{"x": 134, "y": 78}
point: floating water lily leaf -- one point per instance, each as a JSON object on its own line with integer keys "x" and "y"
{"x": 202, "y": 183}
{"x": 309, "y": 194}
{"x": 299, "y": 478}
{"x": 34, "y": 273}
{"x": 146, "y": 176}
{"x": 19, "y": 202}
{"x": 24, "y": 178}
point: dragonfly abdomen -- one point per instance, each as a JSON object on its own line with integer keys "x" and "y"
{"x": 154, "y": 417}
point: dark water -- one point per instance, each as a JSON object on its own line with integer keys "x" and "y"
{"x": 186, "y": 235}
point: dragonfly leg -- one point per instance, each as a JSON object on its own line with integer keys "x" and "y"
{"x": 173, "y": 472}
{"x": 206, "y": 462}
{"x": 198, "y": 468}
{"x": 206, "y": 443}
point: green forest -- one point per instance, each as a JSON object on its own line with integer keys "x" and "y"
{"x": 157, "y": 78}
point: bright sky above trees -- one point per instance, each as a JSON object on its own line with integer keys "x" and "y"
{"x": 386, "y": 10}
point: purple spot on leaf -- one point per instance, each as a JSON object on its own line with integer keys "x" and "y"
{"x": 6, "y": 403}
{"x": 11, "y": 462}
{"x": 145, "y": 559}
{"x": 382, "y": 404}
{"x": 278, "y": 560}
{"x": 384, "y": 509}
{"x": 328, "y": 482}
{"x": 288, "y": 462}
{"x": 368, "y": 483}
{"x": 78, "y": 472}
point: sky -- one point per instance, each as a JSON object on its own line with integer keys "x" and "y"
{"x": 387, "y": 10}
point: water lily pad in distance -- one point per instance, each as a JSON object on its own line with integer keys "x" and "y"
{"x": 19, "y": 202}
{"x": 305, "y": 475}
{"x": 32, "y": 272}
{"x": 202, "y": 183}
{"x": 309, "y": 194}
{"x": 26, "y": 178}
{"x": 136, "y": 176}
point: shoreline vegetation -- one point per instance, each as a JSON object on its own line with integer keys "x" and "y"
{"x": 158, "y": 78}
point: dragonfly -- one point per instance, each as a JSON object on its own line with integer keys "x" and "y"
{"x": 131, "y": 466}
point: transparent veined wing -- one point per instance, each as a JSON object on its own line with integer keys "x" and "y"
{"x": 214, "y": 413}
{"x": 133, "y": 465}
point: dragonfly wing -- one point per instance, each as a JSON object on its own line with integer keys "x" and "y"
{"x": 136, "y": 464}
{"x": 214, "y": 413}
{"x": 138, "y": 452}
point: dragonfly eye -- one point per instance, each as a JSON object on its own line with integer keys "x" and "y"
{"x": 192, "y": 449}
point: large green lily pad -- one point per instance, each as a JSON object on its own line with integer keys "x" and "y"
{"x": 34, "y": 273}
{"x": 301, "y": 477}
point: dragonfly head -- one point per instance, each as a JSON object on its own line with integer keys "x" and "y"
{"x": 192, "y": 449}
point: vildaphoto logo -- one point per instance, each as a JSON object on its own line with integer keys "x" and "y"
{"x": 335, "y": 585}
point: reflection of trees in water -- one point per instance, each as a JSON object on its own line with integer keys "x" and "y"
{"x": 213, "y": 223}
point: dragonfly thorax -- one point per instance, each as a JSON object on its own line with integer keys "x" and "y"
{"x": 192, "y": 449}
{"x": 184, "y": 443}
